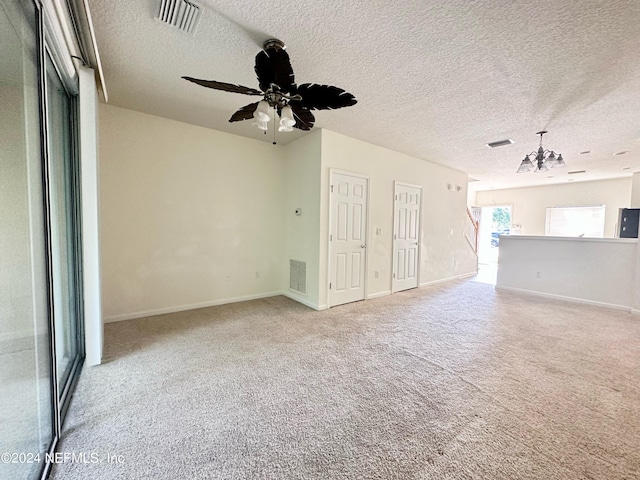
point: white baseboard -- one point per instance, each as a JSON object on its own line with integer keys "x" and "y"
{"x": 614, "y": 306}
{"x": 182, "y": 308}
{"x": 16, "y": 335}
{"x": 301, "y": 299}
{"x": 379, "y": 294}
{"x": 449, "y": 279}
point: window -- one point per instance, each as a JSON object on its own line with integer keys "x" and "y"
{"x": 575, "y": 221}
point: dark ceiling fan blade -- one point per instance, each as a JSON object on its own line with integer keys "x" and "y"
{"x": 303, "y": 116}
{"x": 227, "y": 87}
{"x": 245, "y": 113}
{"x": 273, "y": 66}
{"x": 324, "y": 97}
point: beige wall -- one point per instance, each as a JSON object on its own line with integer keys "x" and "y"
{"x": 302, "y": 232}
{"x": 189, "y": 215}
{"x": 444, "y": 251}
{"x": 635, "y": 190}
{"x": 530, "y": 203}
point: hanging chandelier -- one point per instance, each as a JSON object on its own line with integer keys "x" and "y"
{"x": 544, "y": 159}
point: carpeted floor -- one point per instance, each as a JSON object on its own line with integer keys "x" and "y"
{"x": 454, "y": 381}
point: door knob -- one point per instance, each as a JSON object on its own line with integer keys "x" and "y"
{"x": 363, "y": 245}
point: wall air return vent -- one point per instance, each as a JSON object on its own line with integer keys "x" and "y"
{"x": 298, "y": 276}
{"x": 182, "y": 14}
{"x": 500, "y": 143}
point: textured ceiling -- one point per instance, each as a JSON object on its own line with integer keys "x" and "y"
{"x": 436, "y": 80}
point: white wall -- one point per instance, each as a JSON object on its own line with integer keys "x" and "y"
{"x": 530, "y": 203}
{"x": 302, "y": 233}
{"x": 445, "y": 252}
{"x": 90, "y": 181}
{"x": 635, "y": 190}
{"x": 635, "y": 203}
{"x": 189, "y": 215}
{"x": 592, "y": 270}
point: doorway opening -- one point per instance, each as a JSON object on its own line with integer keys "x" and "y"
{"x": 494, "y": 221}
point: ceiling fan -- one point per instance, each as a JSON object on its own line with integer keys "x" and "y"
{"x": 280, "y": 94}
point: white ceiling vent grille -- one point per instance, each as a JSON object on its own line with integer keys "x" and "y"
{"x": 182, "y": 14}
{"x": 298, "y": 276}
{"x": 500, "y": 143}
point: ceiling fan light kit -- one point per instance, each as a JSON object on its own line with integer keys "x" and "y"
{"x": 544, "y": 159}
{"x": 281, "y": 97}
{"x": 261, "y": 114}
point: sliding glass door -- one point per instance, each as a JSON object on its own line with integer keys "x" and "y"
{"x": 40, "y": 280}
{"x": 26, "y": 394}
{"x": 64, "y": 219}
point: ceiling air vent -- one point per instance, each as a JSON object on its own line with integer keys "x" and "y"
{"x": 500, "y": 143}
{"x": 181, "y": 14}
{"x": 576, "y": 171}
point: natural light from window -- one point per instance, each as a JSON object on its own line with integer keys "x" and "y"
{"x": 575, "y": 221}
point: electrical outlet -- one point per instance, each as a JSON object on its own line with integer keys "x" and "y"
{"x": 257, "y": 274}
{"x": 376, "y": 274}
{"x": 378, "y": 231}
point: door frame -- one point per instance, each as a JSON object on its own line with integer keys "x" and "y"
{"x": 333, "y": 171}
{"x": 481, "y": 229}
{"x": 393, "y": 240}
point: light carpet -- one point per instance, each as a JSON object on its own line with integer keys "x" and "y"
{"x": 454, "y": 381}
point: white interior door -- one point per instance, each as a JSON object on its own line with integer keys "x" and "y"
{"x": 406, "y": 236}
{"x": 347, "y": 238}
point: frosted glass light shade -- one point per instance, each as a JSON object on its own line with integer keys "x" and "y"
{"x": 262, "y": 125}
{"x": 525, "y": 166}
{"x": 261, "y": 114}
{"x": 286, "y": 118}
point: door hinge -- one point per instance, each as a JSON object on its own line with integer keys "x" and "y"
{"x": 394, "y": 275}
{"x": 395, "y": 236}
{"x": 395, "y": 197}
{"x": 329, "y": 286}
{"x": 331, "y": 188}
{"x": 331, "y": 238}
